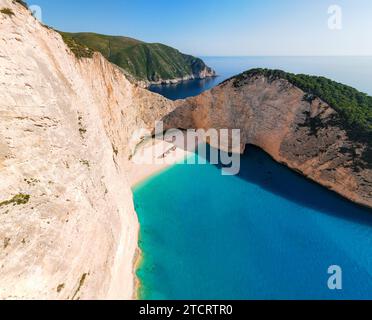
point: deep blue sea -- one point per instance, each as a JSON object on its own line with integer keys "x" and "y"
{"x": 267, "y": 233}
{"x": 353, "y": 71}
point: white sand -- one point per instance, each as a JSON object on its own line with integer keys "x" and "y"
{"x": 156, "y": 155}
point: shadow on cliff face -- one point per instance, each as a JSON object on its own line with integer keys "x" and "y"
{"x": 260, "y": 169}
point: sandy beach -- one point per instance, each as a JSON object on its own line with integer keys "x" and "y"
{"x": 156, "y": 154}
{"x": 151, "y": 157}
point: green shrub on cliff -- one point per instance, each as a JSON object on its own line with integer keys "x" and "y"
{"x": 16, "y": 200}
{"x": 7, "y": 11}
{"x": 354, "y": 107}
{"x": 23, "y": 3}
{"x": 80, "y": 51}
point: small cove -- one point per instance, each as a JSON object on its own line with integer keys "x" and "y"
{"x": 267, "y": 233}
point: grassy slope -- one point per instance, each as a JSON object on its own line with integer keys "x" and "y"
{"x": 144, "y": 61}
{"x": 354, "y": 107}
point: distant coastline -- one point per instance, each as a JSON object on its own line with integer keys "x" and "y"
{"x": 164, "y": 82}
{"x": 143, "y": 63}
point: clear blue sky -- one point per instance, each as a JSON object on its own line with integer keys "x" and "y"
{"x": 223, "y": 27}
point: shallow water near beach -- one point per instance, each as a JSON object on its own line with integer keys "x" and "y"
{"x": 267, "y": 233}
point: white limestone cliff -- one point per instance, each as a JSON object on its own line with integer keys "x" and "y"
{"x": 65, "y": 127}
{"x": 68, "y": 229}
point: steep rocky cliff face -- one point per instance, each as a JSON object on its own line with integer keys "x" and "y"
{"x": 146, "y": 63}
{"x": 68, "y": 229}
{"x": 304, "y": 134}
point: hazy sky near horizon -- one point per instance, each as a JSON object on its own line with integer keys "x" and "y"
{"x": 223, "y": 27}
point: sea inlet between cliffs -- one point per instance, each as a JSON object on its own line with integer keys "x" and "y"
{"x": 267, "y": 233}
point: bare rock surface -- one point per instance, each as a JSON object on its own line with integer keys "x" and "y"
{"x": 276, "y": 116}
{"x": 68, "y": 128}
{"x": 68, "y": 229}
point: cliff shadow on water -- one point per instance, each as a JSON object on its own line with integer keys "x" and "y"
{"x": 267, "y": 233}
{"x": 258, "y": 168}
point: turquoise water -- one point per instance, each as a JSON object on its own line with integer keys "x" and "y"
{"x": 267, "y": 233}
{"x": 353, "y": 71}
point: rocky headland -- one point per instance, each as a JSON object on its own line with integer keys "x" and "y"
{"x": 68, "y": 228}
{"x": 295, "y": 127}
{"x": 143, "y": 63}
